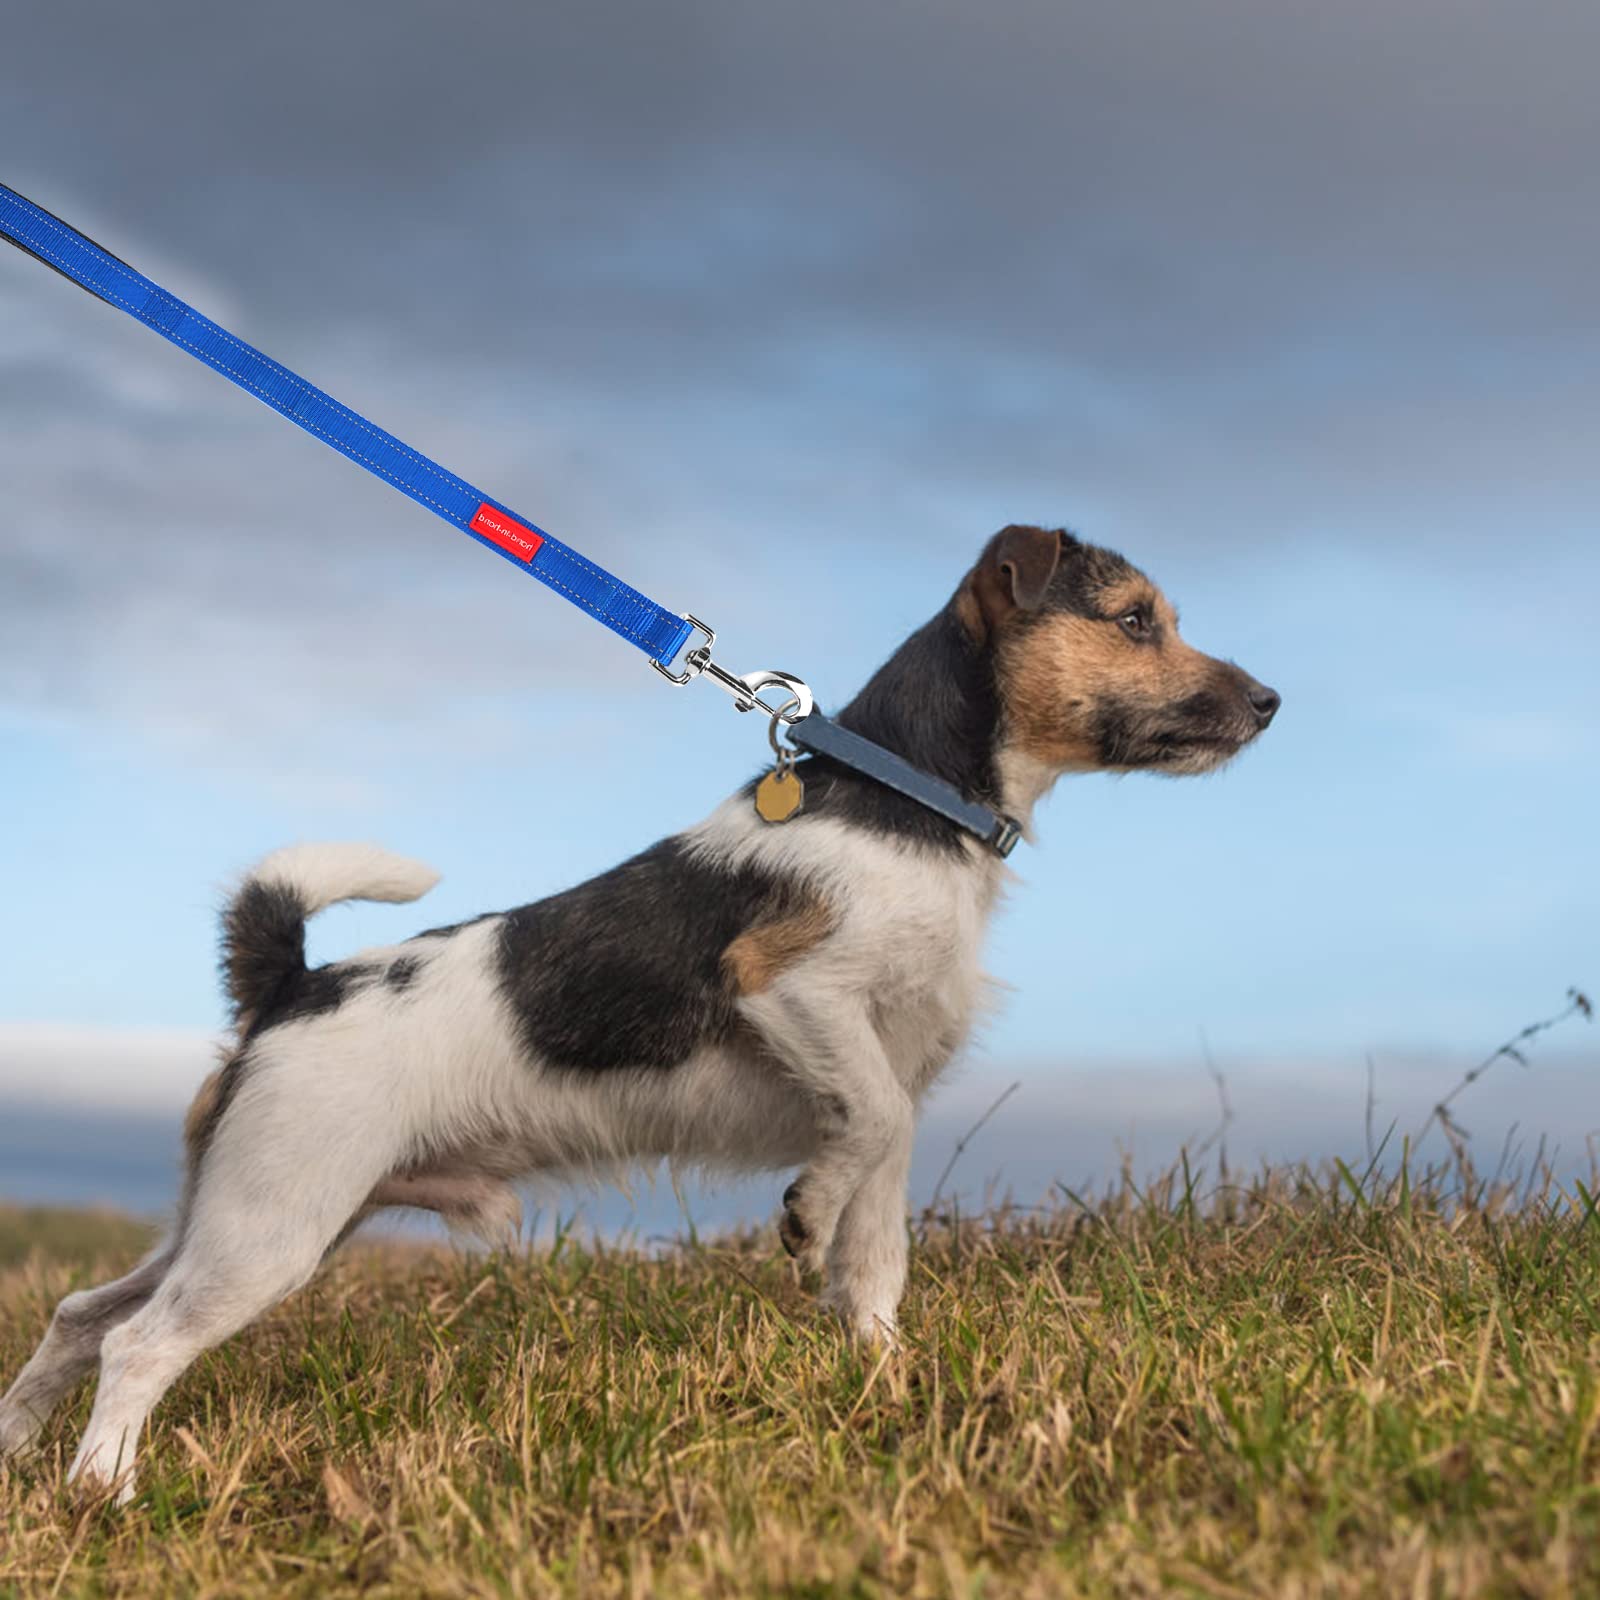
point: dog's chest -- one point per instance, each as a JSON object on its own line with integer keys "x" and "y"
{"x": 910, "y": 941}
{"x": 908, "y": 924}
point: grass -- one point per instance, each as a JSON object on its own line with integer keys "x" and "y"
{"x": 58, "y": 1234}
{"x": 1313, "y": 1383}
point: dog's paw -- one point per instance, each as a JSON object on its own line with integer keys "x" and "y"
{"x": 802, "y": 1235}
{"x": 91, "y": 1480}
{"x": 18, "y": 1428}
{"x": 792, "y": 1229}
{"x": 492, "y": 1215}
{"x": 877, "y": 1330}
{"x": 874, "y": 1325}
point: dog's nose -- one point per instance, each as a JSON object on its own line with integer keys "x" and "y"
{"x": 1264, "y": 702}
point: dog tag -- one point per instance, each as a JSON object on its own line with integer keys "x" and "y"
{"x": 778, "y": 796}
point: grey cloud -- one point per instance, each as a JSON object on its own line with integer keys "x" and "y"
{"x": 1357, "y": 143}
{"x": 1179, "y": 210}
{"x": 675, "y": 277}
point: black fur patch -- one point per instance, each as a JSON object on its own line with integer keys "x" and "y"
{"x": 310, "y": 992}
{"x": 933, "y": 702}
{"x": 1131, "y": 734}
{"x": 263, "y": 944}
{"x": 446, "y": 929}
{"x": 626, "y": 969}
{"x": 319, "y": 989}
{"x": 1084, "y": 574}
{"x": 264, "y": 961}
{"x": 403, "y": 973}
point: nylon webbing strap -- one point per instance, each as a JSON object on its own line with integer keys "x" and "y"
{"x": 658, "y": 632}
{"x": 825, "y": 737}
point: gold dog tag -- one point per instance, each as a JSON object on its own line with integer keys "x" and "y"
{"x": 778, "y": 796}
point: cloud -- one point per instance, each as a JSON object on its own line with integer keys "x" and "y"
{"x": 63, "y": 1066}
{"x": 1193, "y": 208}
{"x": 697, "y": 287}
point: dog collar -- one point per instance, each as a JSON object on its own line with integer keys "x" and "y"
{"x": 824, "y": 737}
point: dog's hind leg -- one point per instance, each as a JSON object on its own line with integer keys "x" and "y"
{"x": 469, "y": 1202}
{"x": 223, "y": 1278}
{"x": 71, "y": 1346}
{"x": 282, "y": 1176}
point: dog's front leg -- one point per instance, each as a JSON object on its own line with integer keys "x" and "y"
{"x": 867, "y": 1261}
{"x": 864, "y": 1122}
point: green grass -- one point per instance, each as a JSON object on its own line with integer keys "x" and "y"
{"x": 1307, "y": 1385}
{"x": 57, "y": 1234}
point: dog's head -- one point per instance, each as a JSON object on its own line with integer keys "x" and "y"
{"x": 1089, "y": 668}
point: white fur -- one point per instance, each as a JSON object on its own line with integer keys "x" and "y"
{"x": 1025, "y": 780}
{"x": 324, "y": 874}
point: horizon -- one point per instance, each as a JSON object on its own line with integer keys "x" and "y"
{"x": 1024, "y": 1132}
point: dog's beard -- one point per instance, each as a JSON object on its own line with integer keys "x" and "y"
{"x": 1133, "y": 741}
{"x": 1191, "y": 757}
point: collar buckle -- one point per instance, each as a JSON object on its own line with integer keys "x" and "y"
{"x": 1007, "y": 831}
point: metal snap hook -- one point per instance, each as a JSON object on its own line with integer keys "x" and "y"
{"x": 746, "y": 690}
{"x": 796, "y": 708}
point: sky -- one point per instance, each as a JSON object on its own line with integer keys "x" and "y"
{"x": 778, "y": 313}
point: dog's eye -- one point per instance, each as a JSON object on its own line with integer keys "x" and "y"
{"x": 1135, "y": 624}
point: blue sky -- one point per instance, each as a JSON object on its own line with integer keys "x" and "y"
{"x": 780, "y": 316}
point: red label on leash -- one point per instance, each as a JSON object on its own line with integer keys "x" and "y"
{"x": 507, "y": 532}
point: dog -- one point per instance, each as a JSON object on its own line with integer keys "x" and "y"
{"x": 743, "y": 995}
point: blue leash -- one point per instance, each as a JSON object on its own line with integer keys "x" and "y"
{"x": 655, "y": 630}
{"x": 660, "y": 633}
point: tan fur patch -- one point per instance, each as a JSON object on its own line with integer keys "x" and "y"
{"x": 969, "y": 612}
{"x": 1120, "y": 598}
{"x": 1012, "y": 574}
{"x": 760, "y": 953}
{"x": 1054, "y": 675}
{"x": 201, "y": 1110}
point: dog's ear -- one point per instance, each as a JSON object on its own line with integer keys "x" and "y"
{"x": 1012, "y": 575}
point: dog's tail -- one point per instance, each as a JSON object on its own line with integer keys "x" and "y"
{"x": 264, "y": 924}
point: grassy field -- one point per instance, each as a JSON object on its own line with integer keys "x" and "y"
{"x": 1307, "y": 1385}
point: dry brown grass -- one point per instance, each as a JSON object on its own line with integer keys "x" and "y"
{"x": 1312, "y": 1385}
